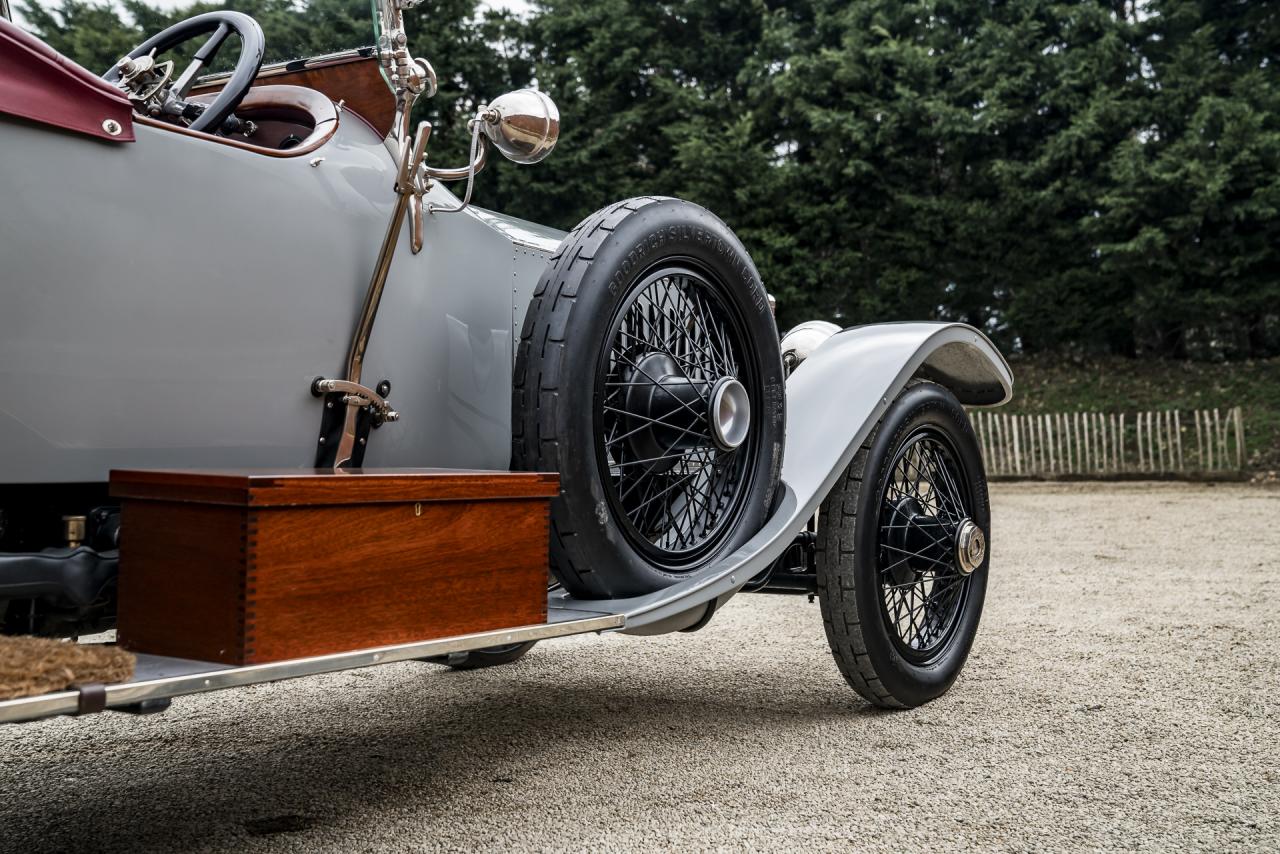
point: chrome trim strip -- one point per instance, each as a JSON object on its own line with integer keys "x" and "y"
{"x": 158, "y": 677}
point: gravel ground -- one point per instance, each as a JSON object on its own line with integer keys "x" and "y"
{"x": 1121, "y": 694}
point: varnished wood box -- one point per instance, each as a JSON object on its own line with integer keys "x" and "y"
{"x": 245, "y": 567}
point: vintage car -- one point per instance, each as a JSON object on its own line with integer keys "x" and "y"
{"x": 193, "y": 265}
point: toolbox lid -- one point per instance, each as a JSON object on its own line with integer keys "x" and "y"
{"x": 310, "y": 487}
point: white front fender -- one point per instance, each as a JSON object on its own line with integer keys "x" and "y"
{"x": 834, "y": 400}
{"x": 838, "y": 394}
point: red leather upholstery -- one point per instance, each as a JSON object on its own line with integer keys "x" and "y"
{"x": 40, "y": 84}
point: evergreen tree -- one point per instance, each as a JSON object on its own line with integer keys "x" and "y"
{"x": 1191, "y": 218}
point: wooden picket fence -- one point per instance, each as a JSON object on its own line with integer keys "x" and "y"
{"x": 1089, "y": 443}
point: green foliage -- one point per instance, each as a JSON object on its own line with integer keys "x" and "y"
{"x": 1190, "y": 211}
{"x": 93, "y": 34}
{"x": 1092, "y": 176}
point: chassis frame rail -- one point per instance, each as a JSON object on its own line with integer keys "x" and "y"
{"x": 157, "y": 678}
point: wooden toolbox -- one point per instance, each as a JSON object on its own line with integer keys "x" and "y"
{"x": 251, "y": 566}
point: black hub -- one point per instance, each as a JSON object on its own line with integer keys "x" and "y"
{"x": 922, "y": 538}
{"x": 667, "y": 410}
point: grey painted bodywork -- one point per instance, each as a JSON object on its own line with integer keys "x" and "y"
{"x": 168, "y": 303}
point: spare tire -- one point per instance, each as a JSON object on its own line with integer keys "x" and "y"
{"x": 648, "y": 375}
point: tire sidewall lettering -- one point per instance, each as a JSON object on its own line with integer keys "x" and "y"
{"x": 737, "y": 265}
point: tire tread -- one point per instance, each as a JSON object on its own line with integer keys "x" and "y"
{"x": 535, "y": 445}
{"x": 838, "y": 600}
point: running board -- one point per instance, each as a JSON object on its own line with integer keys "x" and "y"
{"x": 157, "y": 678}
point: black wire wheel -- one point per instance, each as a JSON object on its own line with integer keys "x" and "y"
{"x": 903, "y": 552}
{"x": 649, "y": 377}
{"x": 673, "y": 416}
{"x": 923, "y": 512}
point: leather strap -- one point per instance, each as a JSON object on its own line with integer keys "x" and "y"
{"x": 93, "y": 698}
{"x": 44, "y": 86}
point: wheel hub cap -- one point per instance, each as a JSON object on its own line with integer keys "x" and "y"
{"x": 729, "y": 413}
{"x": 971, "y": 547}
{"x": 666, "y": 410}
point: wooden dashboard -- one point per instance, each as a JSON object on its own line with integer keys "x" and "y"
{"x": 353, "y": 77}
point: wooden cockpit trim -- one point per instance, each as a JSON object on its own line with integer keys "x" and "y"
{"x": 353, "y": 77}
{"x": 265, "y": 100}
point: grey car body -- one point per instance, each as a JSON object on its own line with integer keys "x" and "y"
{"x": 169, "y": 302}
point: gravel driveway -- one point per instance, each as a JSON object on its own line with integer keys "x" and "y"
{"x": 1121, "y": 694}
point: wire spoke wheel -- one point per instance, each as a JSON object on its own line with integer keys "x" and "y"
{"x": 676, "y": 448}
{"x": 901, "y": 554}
{"x": 649, "y": 377}
{"x": 923, "y": 510}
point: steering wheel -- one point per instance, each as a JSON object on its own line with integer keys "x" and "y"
{"x": 221, "y": 24}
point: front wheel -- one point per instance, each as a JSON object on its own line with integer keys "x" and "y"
{"x": 902, "y": 552}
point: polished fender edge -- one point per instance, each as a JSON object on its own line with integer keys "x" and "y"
{"x": 834, "y": 400}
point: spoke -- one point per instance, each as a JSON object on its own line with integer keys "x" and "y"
{"x": 944, "y": 582}
{"x": 723, "y": 350}
{"x": 656, "y": 459}
{"x": 661, "y": 420}
{"x": 924, "y": 482}
{"x": 182, "y": 85}
{"x": 715, "y": 355}
{"x": 934, "y": 492}
{"x": 665, "y": 451}
{"x": 649, "y": 474}
{"x": 952, "y": 492}
{"x": 912, "y": 523}
{"x": 684, "y": 431}
{"x": 669, "y": 488}
{"x": 688, "y": 339}
{"x": 665, "y": 350}
{"x": 919, "y": 555}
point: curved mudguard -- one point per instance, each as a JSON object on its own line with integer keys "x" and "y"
{"x": 834, "y": 399}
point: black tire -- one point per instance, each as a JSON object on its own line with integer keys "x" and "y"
{"x": 864, "y": 572}
{"x": 566, "y": 395}
{"x": 480, "y": 658}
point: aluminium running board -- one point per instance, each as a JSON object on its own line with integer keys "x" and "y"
{"x": 156, "y": 678}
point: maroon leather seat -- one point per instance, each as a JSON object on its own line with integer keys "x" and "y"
{"x": 42, "y": 85}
